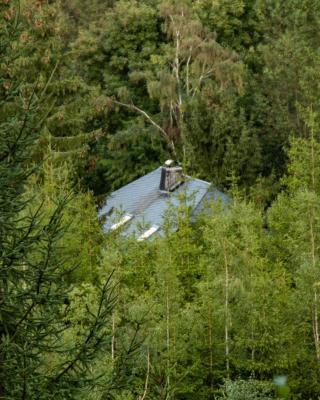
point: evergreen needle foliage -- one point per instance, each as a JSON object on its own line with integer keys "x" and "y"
{"x": 94, "y": 94}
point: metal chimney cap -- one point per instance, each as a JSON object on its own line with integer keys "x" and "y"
{"x": 169, "y": 163}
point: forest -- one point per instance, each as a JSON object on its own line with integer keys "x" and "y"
{"x": 97, "y": 93}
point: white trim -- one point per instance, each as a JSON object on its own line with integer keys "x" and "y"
{"x": 148, "y": 233}
{"x": 126, "y": 218}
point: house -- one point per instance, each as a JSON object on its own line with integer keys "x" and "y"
{"x": 139, "y": 207}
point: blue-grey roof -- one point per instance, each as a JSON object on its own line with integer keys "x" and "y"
{"x": 147, "y": 204}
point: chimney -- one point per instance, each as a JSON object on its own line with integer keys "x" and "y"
{"x": 171, "y": 177}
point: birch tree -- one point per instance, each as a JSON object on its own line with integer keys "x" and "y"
{"x": 194, "y": 64}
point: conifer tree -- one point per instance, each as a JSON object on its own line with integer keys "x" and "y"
{"x": 83, "y": 238}
{"x": 43, "y": 57}
{"x": 35, "y": 360}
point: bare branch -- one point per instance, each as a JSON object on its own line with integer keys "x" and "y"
{"x": 152, "y": 122}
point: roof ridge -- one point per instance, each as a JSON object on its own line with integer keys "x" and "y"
{"x": 197, "y": 179}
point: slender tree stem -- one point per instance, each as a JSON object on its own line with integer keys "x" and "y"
{"x": 147, "y": 377}
{"x": 315, "y": 322}
{"x": 168, "y": 340}
{"x": 113, "y": 338}
{"x": 226, "y": 330}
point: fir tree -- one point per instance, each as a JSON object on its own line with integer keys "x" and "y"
{"x": 35, "y": 360}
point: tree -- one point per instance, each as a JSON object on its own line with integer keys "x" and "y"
{"x": 113, "y": 54}
{"x": 193, "y": 64}
{"x": 83, "y": 237}
{"x": 242, "y": 298}
{"x": 247, "y": 390}
{"x": 284, "y": 71}
{"x": 294, "y": 237}
{"x": 35, "y": 360}
{"x": 43, "y": 64}
{"x": 196, "y": 83}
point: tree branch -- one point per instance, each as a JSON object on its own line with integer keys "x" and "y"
{"x": 152, "y": 122}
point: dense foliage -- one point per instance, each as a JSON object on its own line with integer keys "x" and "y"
{"x": 94, "y": 94}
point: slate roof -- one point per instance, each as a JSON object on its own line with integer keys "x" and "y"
{"x": 147, "y": 204}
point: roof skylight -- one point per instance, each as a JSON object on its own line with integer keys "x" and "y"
{"x": 148, "y": 233}
{"x": 126, "y": 218}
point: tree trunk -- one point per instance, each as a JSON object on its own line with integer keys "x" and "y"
{"x": 227, "y": 312}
